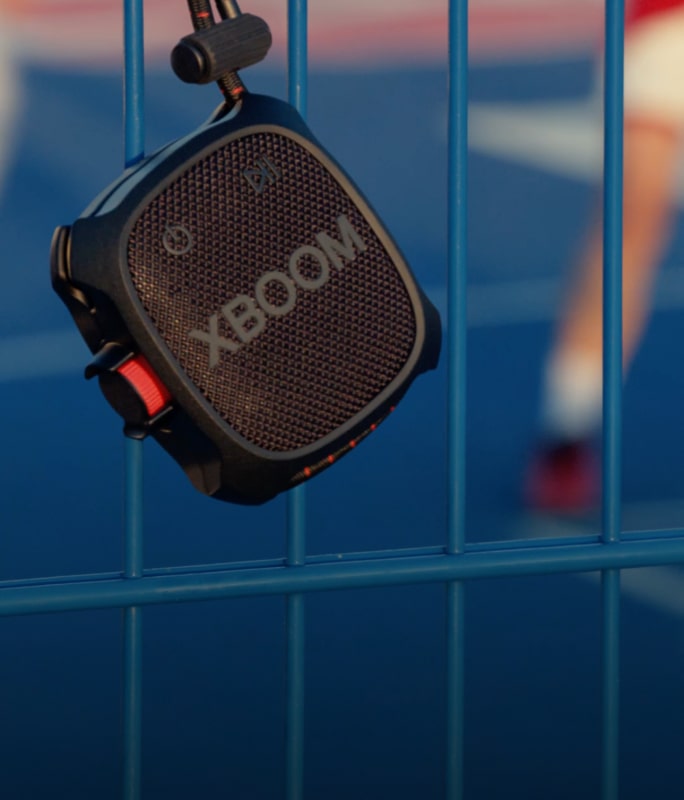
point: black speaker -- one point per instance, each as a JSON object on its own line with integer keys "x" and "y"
{"x": 245, "y": 305}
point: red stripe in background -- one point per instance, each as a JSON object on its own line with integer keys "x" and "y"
{"x": 496, "y": 29}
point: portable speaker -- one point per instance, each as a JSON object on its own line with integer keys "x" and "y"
{"x": 244, "y": 304}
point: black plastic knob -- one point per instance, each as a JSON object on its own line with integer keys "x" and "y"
{"x": 232, "y": 44}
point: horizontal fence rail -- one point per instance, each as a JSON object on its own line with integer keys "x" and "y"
{"x": 348, "y": 571}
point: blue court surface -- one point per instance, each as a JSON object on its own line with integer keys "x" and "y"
{"x": 213, "y": 703}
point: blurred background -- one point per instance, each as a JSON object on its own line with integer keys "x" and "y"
{"x": 214, "y": 672}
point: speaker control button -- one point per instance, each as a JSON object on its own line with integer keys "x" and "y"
{"x": 139, "y": 374}
{"x": 135, "y": 391}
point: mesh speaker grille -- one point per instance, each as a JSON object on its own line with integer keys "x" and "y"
{"x": 308, "y": 371}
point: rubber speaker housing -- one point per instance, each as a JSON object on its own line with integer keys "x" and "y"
{"x": 274, "y": 315}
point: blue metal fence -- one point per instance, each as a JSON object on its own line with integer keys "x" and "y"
{"x": 297, "y": 575}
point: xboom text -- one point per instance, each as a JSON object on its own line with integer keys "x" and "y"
{"x": 275, "y": 293}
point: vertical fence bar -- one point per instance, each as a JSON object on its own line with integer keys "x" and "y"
{"x": 134, "y": 82}
{"x": 455, "y": 761}
{"x": 457, "y": 286}
{"x": 134, "y": 147}
{"x": 612, "y": 385}
{"x": 133, "y": 510}
{"x": 457, "y": 220}
{"x": 610, "y": 586}
{"x": 132, "y": 706}
{"x": 297, "y": 55}
{"x": 132, "y": 619}
{"x": 297, "y": 89}
{"x": 612, "y": 278}
{"x": 294, "y": 735}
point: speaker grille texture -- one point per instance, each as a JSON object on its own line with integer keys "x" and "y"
{"x": 211, "y": 235}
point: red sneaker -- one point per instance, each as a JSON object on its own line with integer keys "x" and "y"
{"x": 564, "y": 477}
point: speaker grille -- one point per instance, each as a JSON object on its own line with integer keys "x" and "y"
{"x": 209, "y": 236}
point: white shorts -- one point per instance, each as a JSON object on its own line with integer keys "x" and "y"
{"x": 654, "y": 68}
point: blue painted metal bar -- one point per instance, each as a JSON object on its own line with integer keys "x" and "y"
{"x": 457, "y": 220}
{"x": 354, "y": 557}
{"x": 458, "y": 269}
{"x": 297, "y": 91}
{"x": 455, "y": 695}
{"x": 612, "y": 271}
{"x": 294, "y": 733}
{"x": 296, "y": 527}
{"x": 132, "y": 704}
{"x": 297, "y": 55}
{"x": 134, "y": 148}
{"x": 612, "y": 387}
{"x": 133, "y": 509}
{"x": 610, "y": 587}
{"x": 132, "y": 623}
{"x": 134, "y": 82}
{"x": 395, "y": 570}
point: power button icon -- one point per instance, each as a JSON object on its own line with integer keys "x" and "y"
{"x": 177, "y": 240}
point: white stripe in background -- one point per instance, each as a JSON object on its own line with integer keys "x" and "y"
{"x": 661, "y": 588}
{"x": 533, "y": 300}
{"x": 563, "y": 138}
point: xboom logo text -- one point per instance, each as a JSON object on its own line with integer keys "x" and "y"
{"x": 275, "y": 294}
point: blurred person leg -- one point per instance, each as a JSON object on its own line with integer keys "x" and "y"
{"x": 10, "y": 96}
{"x": 564, "y": 475}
